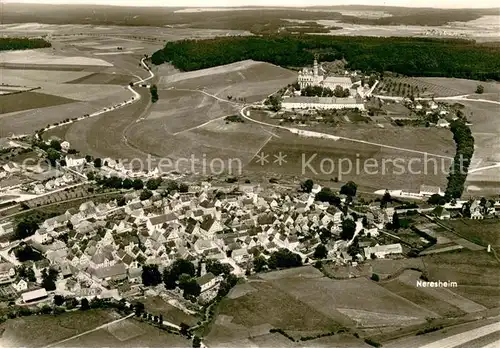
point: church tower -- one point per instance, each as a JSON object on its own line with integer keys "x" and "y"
{"x": 315, "y": 68}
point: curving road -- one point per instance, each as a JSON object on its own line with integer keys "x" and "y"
{"x": 136, "y": 97}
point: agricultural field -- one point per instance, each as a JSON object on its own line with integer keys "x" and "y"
{"x": 351, "y": 161}
{"x": 485, "y": 129}
{"x": 482, "y": 232}
{"x": 431, "y": 87}
{"x": 128, "y": 334}
{"x": 38, "y": 331}
{"x": 302, "y": 302}
{"x": 413, "y": 294}
{"x": 30, "y": 100}
{"x": 102, "y": 79}
{"x": 247, "y": 80}
{"x": 476, "y": 273}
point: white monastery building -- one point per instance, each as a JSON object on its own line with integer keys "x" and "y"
{"x": 322, "y": 103}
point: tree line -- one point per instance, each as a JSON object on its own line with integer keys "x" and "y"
{"x": 22, "y": 43}
{"x": 465, "y": 149}
{"x": 407, "y": 56}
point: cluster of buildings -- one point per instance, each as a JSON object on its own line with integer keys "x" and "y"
{"x": 101, "y": 247}
{"x": 312, "y": 77}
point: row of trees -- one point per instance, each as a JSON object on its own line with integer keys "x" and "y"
{"x": 407, "y": 56}
{"x": 464, "y": 142}
{"x": 319, "y": 91}
{"x": 154, "y": 93}
{"x": 22, "y": 43}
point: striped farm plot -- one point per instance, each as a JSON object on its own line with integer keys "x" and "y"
{"x": 43, "y": 57}
{"x": 84, "y": 92}
{"x": 32, "y": 77}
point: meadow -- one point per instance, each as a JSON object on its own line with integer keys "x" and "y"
{"x": 38, "y": 331}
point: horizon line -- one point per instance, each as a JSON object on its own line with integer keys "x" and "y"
{"x": 7, "y": 2}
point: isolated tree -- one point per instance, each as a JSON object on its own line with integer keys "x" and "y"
{"x": 307, "y": 185}
{"x": 154, "y": 93}
{"x": 327, "y": 195}
{"x": 55, "y": 144}
{"x": 479, "y": 89}
{"x": 153, "y": 184}
{"x": 396, "y": 224}
{"x": 259, "y": 264}
{"x": 145, "y": 194}
{"x": 436, "y": 199}
{"x": 53, "y": 156}
{"x": 385, "y": 199}
{"x": 84, "y": 304}
{"x": 151, "y": 276}
{"x": 97, "y": 162}
{"x": 138, "y": 184}
{"x": 196, "y": 342}
{"x": 25, "y": 228}
{"x": 364, "y": 221}
{"x": 320, "y": 252}
{"x": 349, "y": 189}
{"x": 348, "y": 229}
{"x": 217, "y": 268}
{"x": 58, "y": 300}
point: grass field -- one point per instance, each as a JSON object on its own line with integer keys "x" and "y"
{"x": 30, "y": 100}
{"x": 38, "y": 331}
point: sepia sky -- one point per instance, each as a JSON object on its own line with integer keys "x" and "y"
{"x": 298, "y": 3}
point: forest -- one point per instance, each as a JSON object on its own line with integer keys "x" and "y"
{"x": 22, "y": 43}
{"x": 407, "y": 56}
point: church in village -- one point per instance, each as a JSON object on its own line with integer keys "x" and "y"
{"x": 312, "y": 77}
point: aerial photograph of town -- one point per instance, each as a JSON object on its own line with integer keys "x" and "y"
{"x": 249, "y": 174}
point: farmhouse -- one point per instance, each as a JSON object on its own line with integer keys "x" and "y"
{"x": 206, "y": 281}
{"x": 322, "y": 103}
{"x": 426, "y": 190}
{"x": 34, "y": 295}
{"x": 381, "y": 251}
{"x": 7, "y": 272}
